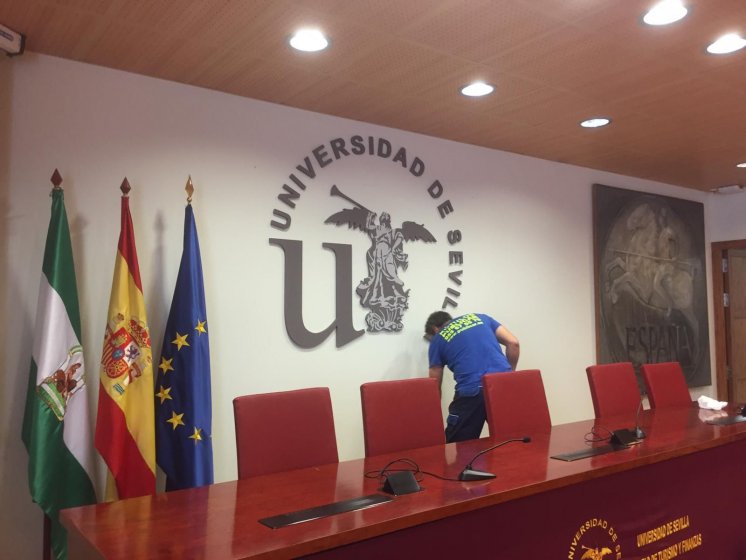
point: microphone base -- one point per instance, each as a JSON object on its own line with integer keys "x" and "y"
{"x": 469, "y": 474}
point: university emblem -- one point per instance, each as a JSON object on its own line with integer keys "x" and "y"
{"x": 126, "y": 350}
{"x": 57, "y": 389}
{"x": 595, "y": 539}
{"x": 595, "y": 553}
{"x": 382, "y": 291}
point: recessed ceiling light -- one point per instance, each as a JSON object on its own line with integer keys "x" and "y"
{"x": 727, "y": 44}
{"x": 595, "y": 123}
{"x": 309, "y": 40}
{"x": 477, "y": 89}
{"x": 741, "y": 164}
{"x": 665, "y": 12}
{"x": 728, "y": 189}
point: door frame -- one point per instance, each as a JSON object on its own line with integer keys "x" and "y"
{"x": 721, "y": 318}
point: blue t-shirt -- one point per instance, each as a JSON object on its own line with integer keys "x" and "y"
{"x": 469, "y": 347}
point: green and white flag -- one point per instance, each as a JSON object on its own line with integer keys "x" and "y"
{"x": 56, "y": 427}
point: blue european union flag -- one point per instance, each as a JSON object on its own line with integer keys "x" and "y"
{"x": 183, "y": 419}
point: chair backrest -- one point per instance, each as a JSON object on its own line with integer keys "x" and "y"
{"x": 614, "y": 389}
{"x": 666, "y": 385}
{"x": 516, "y": 403}
{"x": 401, "y": 414}
{"x": 284, "y": 431}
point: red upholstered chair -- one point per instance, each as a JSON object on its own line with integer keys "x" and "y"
{"x": 516, "y": 403}
{"x": 284, "y": 431}
{"x": 401, "y": 414}
{"x": 614, "y": 389}
{"x": 666, "y": 385}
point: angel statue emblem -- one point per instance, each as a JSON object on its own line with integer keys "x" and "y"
{"x": 382, "y": 291}
{"x": 595, "y": 553}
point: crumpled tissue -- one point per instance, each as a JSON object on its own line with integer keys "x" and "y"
{"x": 710, "y": 404}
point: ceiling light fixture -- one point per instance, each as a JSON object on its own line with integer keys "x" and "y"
{"x": 12, "y": 42}
{"x": 309, "y": 40}
{"x": 595, "y": 123}
{"x": 727, "y": 44}
{"x": 477, "y": 89}
{"x": 665, "y": 12}
{"x": 727, "y": 189}
{"x": 741, "y": 164}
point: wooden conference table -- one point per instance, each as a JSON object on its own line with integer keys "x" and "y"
{"x": 681, "y": 492}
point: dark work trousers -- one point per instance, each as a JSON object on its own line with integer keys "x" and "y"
{"x": 466, "y": 417}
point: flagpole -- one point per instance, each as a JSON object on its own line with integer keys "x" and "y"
{"x": 125, "y": 429}
{"x": 55, "y": 421}
{"x": 47, "y": 540}
{"x": 189, "y": 189}
{"x": 46, "y": 552}
{"x": 125, "y": 187}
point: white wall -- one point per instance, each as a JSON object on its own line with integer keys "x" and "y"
{"x": 526, "y": 225}
{"x": 727, "y": 217}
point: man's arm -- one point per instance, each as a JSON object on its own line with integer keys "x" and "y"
{"x": 436, "y": 372}
{"x": 512, "y": 346}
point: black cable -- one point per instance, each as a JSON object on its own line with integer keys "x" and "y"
{"x": 441, "y": 477}
{"x": 594, "y": 437}
{"x": 385, "y": 471}
{"x": 416, "y": 471}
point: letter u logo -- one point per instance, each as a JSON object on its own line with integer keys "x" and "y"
{"x": 293, "y": 293}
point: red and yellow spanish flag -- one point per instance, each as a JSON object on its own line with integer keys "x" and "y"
{"x": 125, "y": 425}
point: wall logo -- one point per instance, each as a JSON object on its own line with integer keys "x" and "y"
{"x": 383, "y": 291}
{"x": 595, "y": 539}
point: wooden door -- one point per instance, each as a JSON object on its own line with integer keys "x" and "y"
{"x": 737, "y": 334}
{"x": 725, "y": 342}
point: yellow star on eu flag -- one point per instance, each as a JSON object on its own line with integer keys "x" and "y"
{"x": 200, "y": 328}
{"x": 166, "y": 366}
{"x": 197, "y": 435}
{"x": 163, "y": 394}
{"x": 180, "y": 340}
{"x": 176, "y": 419}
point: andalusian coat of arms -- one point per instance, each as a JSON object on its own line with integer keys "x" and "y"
{"x": 58, "y": 388}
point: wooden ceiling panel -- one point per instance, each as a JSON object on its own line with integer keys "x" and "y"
{"x": 678, "y": 113}
{"x": 58, "y": 31}
{"x": 615, "y": 84}
{"x": 567, "y": 58}
{"x": 204, "y": 36}
{"x": 553, "y": 108}
{"x": 682, "y": 43}
{"x": 687, "y": 101}
{"x": 402, "y": 67}
{"x": 352, "y": 44}
{"x": 518, "y": 138}
{"x": 388, "y": 16}
{"x": 444, "y": 93}
{"x": 268, "y": 82}
{"x": 732, "y": 74}
{"x": 486, "y": 29}
{"x": 334, "y": 96}
{"x": 571, "y": 11}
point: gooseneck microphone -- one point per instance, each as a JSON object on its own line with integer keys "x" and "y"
{"x": 470, "y": 474}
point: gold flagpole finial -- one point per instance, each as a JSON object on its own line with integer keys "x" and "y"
{"x": 56, "y": 180}
{"x": 125, "y": 187}
{"x": 189, "y": 189}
